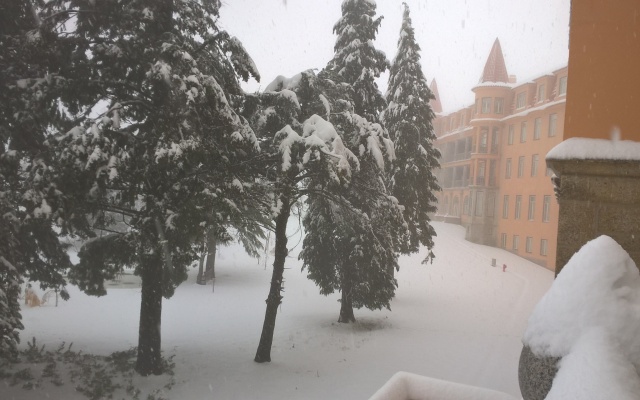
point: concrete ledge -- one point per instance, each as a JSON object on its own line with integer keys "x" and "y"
{"x": 407, "y": 386}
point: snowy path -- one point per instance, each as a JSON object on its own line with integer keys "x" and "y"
{"x": 458, "y": 319}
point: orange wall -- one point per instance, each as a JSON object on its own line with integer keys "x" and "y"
{"x": 603, "y": 89}
{"x": 539, "y": 186}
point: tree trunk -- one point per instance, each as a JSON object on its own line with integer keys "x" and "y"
{"x": 212, "y": 243}
{"x": 200, "y": 280}
{"x": 149, "y": 358}
{"x": 275, "y": 297}
{"x": 346, "y": 303}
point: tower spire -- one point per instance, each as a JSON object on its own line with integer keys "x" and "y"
{"x": 435, "y": 103}
{"x": 495, "y": 69}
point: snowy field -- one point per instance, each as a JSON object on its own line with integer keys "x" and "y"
{"x": 458, "y": 319}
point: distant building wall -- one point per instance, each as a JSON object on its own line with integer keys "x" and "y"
{"x": 493, "y": 171}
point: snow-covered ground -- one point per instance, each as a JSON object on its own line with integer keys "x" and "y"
{"x": 458, "y": 319}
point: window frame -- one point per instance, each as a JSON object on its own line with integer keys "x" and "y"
{"x": 521, "y": 166}
{"x": 553, "y": 125}
{"x": 546, "y": 208}
{"x": 537, "y": 128}
{"x": 487, "y": 103}
{"x": 543, "y": 247}
{"x": 521, "y": 100}
{"x": 498, "y": 105}
{"x": 505, "y": 206}
{"x": 531, "y": 213}
{"x": 534, "y": 164}
{"x": 562, "y": 86}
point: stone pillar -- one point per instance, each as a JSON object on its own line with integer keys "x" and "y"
{"x": 596, "y": 197}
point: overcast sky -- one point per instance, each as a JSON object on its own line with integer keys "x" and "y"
{"x": 285, "y": 37}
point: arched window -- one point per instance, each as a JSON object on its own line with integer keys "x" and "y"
{"x": 465, "y": 209}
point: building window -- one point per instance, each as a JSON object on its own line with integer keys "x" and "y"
{"x": 532, "y": 207}
{"x": 518, "y": 205}
{"x": 498, "y": 105}
{"x": 523, "y": 132}
{"x": 511, "y": 134}
{"x": 505, "y": 206}
{"x": 543, "y": 247}
{"x": 477, "y": 107}
{"x": 521, "y": 100}
{"x": 553, "y": 122}
{"x": 504, "y": 240}
{"x": 491, "y": 205}
{"x": 562, "y": 86}
{"x": 481, "y": 173}
{"x": 534, "y": 165}
{"x": 466, "y": 205}
{"x": 486, "y": 105}
{"x": 484, "y": 138}
{"x": 520, "y": 166}
{"x": 516, "y": 241}
{"x": 479, "y": 203}
{"x": 507, "y": 171}
{"x": 529, "y": 244}
{"x": 546, "y": 207}
{"x": 541, "y": 93}
{"x": 462, "y": 121}
{"x": 537, "y": 127}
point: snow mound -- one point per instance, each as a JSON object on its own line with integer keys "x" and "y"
{"x": 598, "y": 288}
{"x": 403, "y": 386}
{"x": 595, "y": 369}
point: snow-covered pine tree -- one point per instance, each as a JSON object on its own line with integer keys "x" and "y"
{"x": 356, "y": 61}
{"x": 408, "y": 118}
{"x": 29, "y": 246}
{"x": 299, "y": 147}
{"x": 155, "y": 145}
{"x": 366, "y": 239}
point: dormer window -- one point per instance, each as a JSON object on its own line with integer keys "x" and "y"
{"x": 562, "y": 86}
{"x": 521, "y": 100}
{"x": 541, "y": 93}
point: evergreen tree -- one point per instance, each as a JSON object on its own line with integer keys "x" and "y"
{"x": 408, "y": 118}
{"x": 164, "y": 155}
{"x": 29, "y": 247}
{"x": 297, "y": 153}
{"x": 364, "y": 238}
{"x": 356, "y": 61}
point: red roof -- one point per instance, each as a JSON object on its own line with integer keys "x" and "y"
{"x": 495, "y": 69}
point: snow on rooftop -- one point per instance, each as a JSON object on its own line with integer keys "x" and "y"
{"x": 595, "y": 149}
{"x": 494, "y": 84}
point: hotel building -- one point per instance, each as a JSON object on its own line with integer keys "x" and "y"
{"x": 493, "y": 173}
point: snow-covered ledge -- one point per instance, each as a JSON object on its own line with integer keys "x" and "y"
{"x": 406, "y": 386}
{"x": 597, "y": 184}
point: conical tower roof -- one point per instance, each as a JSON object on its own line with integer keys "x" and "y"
{"x": 435, "y": 104}
{"x": 495, "y": 69}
